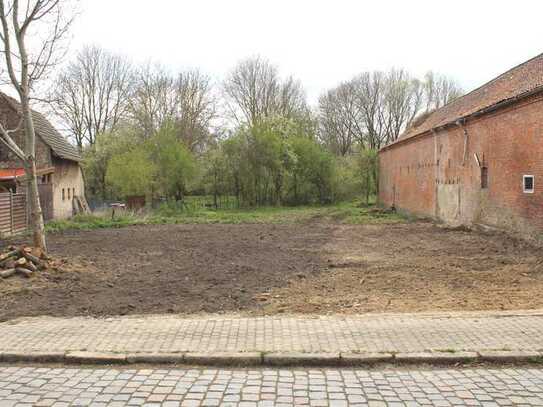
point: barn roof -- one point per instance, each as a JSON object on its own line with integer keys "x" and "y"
{"x": 519, "y": 81}
{"x": 47, "y": 132}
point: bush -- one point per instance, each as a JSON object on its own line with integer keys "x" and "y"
{"x": 132, "y": 173}
{"x": 347, "y": 182}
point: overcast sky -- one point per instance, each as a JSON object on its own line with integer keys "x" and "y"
{"x": 321, "y": 42}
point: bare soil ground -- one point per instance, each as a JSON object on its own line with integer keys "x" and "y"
{"x": 318, "y": 267}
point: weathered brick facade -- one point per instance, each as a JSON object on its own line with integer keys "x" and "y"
{"x": 433, "y": 176}
{"x": 439, "y": 172}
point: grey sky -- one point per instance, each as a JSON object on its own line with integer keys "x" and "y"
{"x": 321, "y": 42}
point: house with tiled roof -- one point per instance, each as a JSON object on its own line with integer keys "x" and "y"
{"x": 57, "y": 161}
{"x": 477, "y": 160}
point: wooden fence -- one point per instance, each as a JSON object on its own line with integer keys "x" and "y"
{"x": 13, "y": 216}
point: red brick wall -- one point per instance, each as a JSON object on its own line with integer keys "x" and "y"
{"x": 429, "y": 175}
{"x": 10, "y": 120}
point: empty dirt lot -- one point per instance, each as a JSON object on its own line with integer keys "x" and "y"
{"x": 318, "y": 267}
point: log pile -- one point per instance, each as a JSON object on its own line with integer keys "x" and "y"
{"x": 24, "y": 261}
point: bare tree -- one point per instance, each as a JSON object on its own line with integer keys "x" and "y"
{"x": 195, "y": 109}
{"x": 254, "y": 91}
{"x": 91, "y": 95}
{"x": 186, "y": 101}
{"x": 403, "y": 100}
{"x": 291, "y": 100}
{"x": 389, "y": 102}
{"x": 439, "y": 90}
{"x": 372, "y": 109}
{"x": 153, "y": 102}
{"x": 46, "y": 23}
{"x": 341, "y": 124}
{"x": 370, "y": 90}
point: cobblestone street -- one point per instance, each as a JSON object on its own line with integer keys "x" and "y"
{"x": 41, "y": 386}
{"x": 176, "y": 385}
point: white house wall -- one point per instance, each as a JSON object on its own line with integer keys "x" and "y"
{"x": 68, "y": 177}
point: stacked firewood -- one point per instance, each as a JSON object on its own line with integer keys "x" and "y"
{"x": 24, "y": 261}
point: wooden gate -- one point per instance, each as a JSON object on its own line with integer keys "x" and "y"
{"x": 13, "y": 218}
{"x": 46, "y": 201}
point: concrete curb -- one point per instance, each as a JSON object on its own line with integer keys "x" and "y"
{"x": 95, "y": 358}
{"x": 273, "y": 359}
{"x": 32, "y": 357}
{"x": 301, "y": 359}
{"x": 155, "y": 358}
{"x": 437, "y": 357}
{"x": 509, "y": 356}
{"x": 364, "y": 359}
{"x": 224, "y": 359}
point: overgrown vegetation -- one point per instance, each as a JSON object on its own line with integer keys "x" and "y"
{"x": 250, "y": 142}
{"x": 348, "y": 213}
{"x": 275, "y": 162}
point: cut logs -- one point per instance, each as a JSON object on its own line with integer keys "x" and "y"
{"x": 24, "y": 261}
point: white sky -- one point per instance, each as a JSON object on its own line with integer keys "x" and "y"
{"x": 320, "y": 42}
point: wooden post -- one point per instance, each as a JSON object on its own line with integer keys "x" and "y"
{"x": 27, "y": 209}
{"x": 11, "y": 210}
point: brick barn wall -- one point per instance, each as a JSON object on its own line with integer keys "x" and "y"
{"x": 407, "y": 177}
{"x": 431, "y": 175}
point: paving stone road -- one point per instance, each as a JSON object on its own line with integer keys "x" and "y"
{"x": 41, "y": 386}
{"x": 212, "y": 333}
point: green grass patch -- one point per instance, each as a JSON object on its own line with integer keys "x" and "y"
{"x": 344, "y": 213}
{"x": 95, "y": 221}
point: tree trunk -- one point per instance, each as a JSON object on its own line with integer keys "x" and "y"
{"x": 215, "y": 188}
{"x": 376, "y": 179}
{"x": 36, "y": 214}
{"x": 296, "y": 189}
{"x": 368, "y": 187}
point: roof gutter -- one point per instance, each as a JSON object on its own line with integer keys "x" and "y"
{"x": 462, "y": 119}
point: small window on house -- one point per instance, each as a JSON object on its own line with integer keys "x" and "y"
{"x": 528, "y": 184}
{"x": 484, "y": 177}
{"x": 63, "y": 194}
{"x": 69, "y": 193}
{"x": 73, "y": 192}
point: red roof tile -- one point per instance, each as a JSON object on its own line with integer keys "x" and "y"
{"x": 11, "y": 173}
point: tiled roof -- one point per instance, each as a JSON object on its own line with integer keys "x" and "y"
{"x": 518, "y": 81}
{"x": 50, "y": 136}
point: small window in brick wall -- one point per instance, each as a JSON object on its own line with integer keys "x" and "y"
{"x": 528, "y": 184}
{"x": 484, "y": 177}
